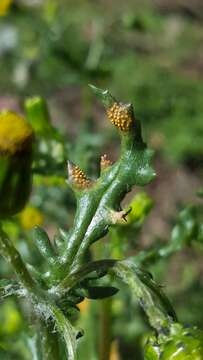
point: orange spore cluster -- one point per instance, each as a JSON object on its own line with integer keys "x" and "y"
{"x": 120, "y": 116}
{"x": 80, "y": 178}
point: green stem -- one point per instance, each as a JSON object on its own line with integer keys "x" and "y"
{"x": 105, "y": 329}
{"x": 111, "y": 196}
{"x": 88, "y": 204}
{"x": 67, "y": 330}
{"x": 12, "y": 256}
{"x": 49, "y": 341}
{"x": 92, "y": 217}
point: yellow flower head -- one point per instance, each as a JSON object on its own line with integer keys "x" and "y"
{"x": 31, "y": 217}
{"x": 4, "y": 6}
{"x": 15, "y": 133}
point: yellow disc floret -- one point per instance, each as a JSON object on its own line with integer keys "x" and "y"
{"x": 121, "y": 116}
{"x": 15, "y": 133}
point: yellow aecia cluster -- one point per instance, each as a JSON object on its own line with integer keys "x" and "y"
{"x": 120, "y": 116}
{"x": 4, "y": 6}
{"x": 78, "y": 176}
{"x": 15, "y": 133}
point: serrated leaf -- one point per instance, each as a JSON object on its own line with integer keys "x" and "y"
{"x": 143, "y": 287}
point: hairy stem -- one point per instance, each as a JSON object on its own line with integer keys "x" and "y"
{"x": 49, "y": 341}
{"x": 67, "y": 330}
{"x": 12, "y": 256}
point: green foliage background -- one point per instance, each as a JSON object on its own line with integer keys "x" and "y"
{"x": 145, "y": 52}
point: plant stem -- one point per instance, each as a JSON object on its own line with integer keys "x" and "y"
{"x": 87, "y": 208}
{"x": 49, "y": 341}
{"x": 12, "y": 256}
{"x": 67, "y": 330}
{"x": 105, "y": 329}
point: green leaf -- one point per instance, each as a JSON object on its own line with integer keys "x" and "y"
{"x": 38, "y": 115}
{"x": 43, "y": 243}
{"x": 104, "y": 95}
{"x": 100, "y": 292}
{"x": 99, "y": 267}
{"x": 143, "y": 287}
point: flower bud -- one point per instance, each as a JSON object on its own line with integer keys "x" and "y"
{"x": 16, "y": 138}
{"x": 4, "y": 6}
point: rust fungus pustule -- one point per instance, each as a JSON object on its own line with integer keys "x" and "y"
{"x": 121, "y": 116}
{"x": 105, "y": 162}
{"x": 78, "y": 177}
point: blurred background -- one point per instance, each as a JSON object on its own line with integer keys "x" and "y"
{"x": 149, "y": 53}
